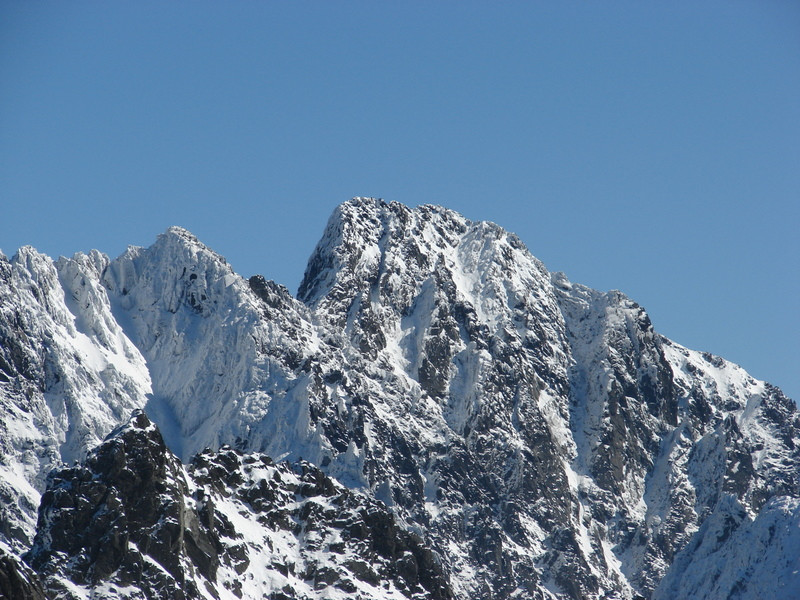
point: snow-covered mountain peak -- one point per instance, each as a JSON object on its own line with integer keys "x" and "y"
{"x": 176, "y": 243}
{"x": 177, "y": 268}
{"x": 539, "y": 435}
{"x": 384, "y": 253}
{"x": 180, "y": 241}
{"x": 183, "y": 233}
{"x": 362, "y": 230}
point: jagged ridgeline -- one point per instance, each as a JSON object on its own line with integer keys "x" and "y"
{"x": 447, "y": 419}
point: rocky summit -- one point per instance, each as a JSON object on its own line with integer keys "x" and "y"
{"x": 433, "y": 415}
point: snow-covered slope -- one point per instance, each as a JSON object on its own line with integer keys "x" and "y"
{"x": 539, "y": 436}
{"x": 222, "y": 360}
{"x": 68, "y": 375}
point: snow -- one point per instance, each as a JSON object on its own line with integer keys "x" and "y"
{"x": 91, "y": 376}
{"x": 761, "y": 560}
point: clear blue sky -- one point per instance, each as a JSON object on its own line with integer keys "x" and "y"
{"x": 651, "y": 147}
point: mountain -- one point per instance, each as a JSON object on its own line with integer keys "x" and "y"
{"x": 449, "y": 420}
{"x": 142, "y": 523}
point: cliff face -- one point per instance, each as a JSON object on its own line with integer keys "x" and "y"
{"x": 133, "y": 521}
{"x": 534, "y": 437}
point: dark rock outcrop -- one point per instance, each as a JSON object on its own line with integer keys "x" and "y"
{"x": 133, "y": 516}
{"x": 18, "y": 581}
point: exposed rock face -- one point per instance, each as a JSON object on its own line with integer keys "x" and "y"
{"x": 443, "y": 308}
{"x": 539, "y": 438}
{"x": 17, "y": 580}
{"x": 132, "y": 517}
{"x": 662, "y": 434}
{"x": 118, "y": 514}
